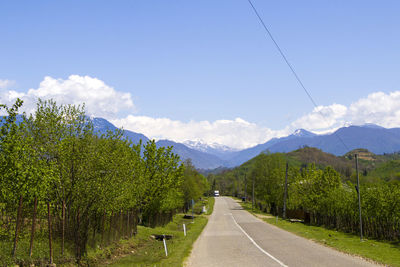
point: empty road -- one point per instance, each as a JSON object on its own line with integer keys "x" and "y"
{"x": 234, "y": 237}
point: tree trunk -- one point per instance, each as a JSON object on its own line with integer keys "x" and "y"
{"x": 33, "y": 227}
{"x": 121, "y": 224}
{"x": 103, "y": 221}
{"x": 77, "y": 239}
{"x": 109, "y": 229}
{"x": 49, "y": 225}
{"x": 62, "y": 228}
{"x": 18, "y": 222}
{"x": 128, "y": 234}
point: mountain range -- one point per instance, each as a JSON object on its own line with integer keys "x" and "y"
{"x": 377, "y": 139}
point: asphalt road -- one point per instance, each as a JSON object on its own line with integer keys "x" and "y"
{"x": 234, "y": 237}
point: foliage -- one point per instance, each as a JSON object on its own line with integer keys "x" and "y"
{"x": 98, "y": 187}
{"x": 194, "y": 184}
{"x": 318, "y": 195}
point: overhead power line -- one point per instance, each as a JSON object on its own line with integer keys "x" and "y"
{"x": 292, "y": 68}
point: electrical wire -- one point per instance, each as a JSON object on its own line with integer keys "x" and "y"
{"x": 292, "y": 69}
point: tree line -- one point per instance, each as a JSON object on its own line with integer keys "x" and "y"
{"x": 63, "y": 180}
{"x": 320, "y": 196}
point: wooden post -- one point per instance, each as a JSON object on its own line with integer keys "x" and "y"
{"x": 33, "y": 227}
{"x": 18, "y": 222}
{"x": 285, "y": 193}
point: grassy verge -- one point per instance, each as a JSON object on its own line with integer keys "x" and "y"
{"x": 40, "y": 255}
{"x": 143, "y": 250}
{"x": 379, "y": 251}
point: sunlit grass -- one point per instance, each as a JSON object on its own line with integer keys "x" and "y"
{"x": 143, "y": 250}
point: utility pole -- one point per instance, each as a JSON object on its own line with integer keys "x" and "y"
{"x": 359, "y": 198}
{"x": 245, "y": 187}
{"x": 285, "y": 194}
{"x": 252, "y": 198}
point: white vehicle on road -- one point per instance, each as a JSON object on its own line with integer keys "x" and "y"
{"x": 216, "y": 193}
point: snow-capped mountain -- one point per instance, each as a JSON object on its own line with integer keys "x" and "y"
{"x": 302, "y": 133}
{"x": 203, "y": 146}
{"x": 214, "y": 148}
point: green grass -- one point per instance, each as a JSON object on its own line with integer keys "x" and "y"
{"x": 143, "y": 250}
{"x": 379, "y": 251}
{"x": 210, "y": 205}
{"x": 40, "y": 253}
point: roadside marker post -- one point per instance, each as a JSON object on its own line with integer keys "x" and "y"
{"x": 184, "y": 229}
{"x": 165, "y": 246}
{"x": 192, "y": 211}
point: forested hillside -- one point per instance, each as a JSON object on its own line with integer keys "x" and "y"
{"x": 64, "y": 188}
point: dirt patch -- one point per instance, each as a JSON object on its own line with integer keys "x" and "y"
{"x": 262, "y": 216}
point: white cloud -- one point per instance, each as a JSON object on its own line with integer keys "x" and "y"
{"x": 100, "y": 99}
{"x": 322, "y": 118}
{"x": 104, "y": 101}
{"x": 236, "y": 133}
{"x": 377, "y": 108}
{"x": 6, "y": 83}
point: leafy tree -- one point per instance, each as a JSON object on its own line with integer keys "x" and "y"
{"x": 194, "y": 184}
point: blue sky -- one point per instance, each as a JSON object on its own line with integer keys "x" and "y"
{"x": 204, "y": 64}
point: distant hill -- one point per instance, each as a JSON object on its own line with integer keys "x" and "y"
{"x": 378, "y": 140}
{"x": 239, "y": 157}
{"x": 200, "y": 160}
{"x": 372, "y": 167}
{"x": 309, "y": 155}
{"x": 388, "y": 171}
{"x": 102, "y": 126}
{"x": 374, "y": 138}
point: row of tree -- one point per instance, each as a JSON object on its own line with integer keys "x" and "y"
{"x": 60, "y": 176}
{"x": 317, "y": 195}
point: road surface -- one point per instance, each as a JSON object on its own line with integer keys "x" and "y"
{"x": 234, "y": 237}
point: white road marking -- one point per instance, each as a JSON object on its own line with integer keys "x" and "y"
{"x": 255, "y": 244}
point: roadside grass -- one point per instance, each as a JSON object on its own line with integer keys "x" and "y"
{"x": 209, "y": 203}
{"x": 40, "y": 253}
{"x": 380, "y": 251}
{"x": 143, "y": 250}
